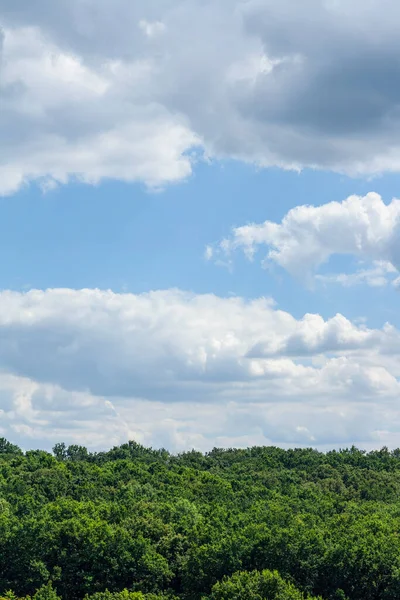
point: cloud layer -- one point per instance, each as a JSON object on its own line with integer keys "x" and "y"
{"x": 362, "y": 227}
{"x": 176, "y": 369}
{"x": 129, "y": 90}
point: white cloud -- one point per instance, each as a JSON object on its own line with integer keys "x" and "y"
{"x": 151, "y": 29}
{"x": 96, "y": 90}
{"x": 62, "y": 119}
{"x": 362, "y": 227}
{"x": 176, "y": 369}
{"x": 208, "y": 253}
{"x": 34, "y": 414}
{"x": 380, "y": 274}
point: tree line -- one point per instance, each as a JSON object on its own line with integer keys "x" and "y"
{"x": 261, "y": 523}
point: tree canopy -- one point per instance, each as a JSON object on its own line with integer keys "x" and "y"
{"x": 261, "y": 523}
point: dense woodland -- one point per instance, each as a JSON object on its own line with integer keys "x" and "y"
{"x": 142, "y": 524}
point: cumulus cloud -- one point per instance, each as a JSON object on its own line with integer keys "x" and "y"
{"x": 362, "y": 227}
{"x": 34, "y": 414}
{"x": 61, "y": 118}
{"x": 91, "y": 90}
{"x": 379, "y": 274}
{"x": 181, "y": 370}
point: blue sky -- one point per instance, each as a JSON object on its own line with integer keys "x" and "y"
{"x": 126, "y": 238}
{"x": 165, "y": 277}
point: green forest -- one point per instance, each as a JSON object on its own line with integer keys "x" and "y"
{"x": 255, "y": 524}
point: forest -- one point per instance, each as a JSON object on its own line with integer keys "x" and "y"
{"x": 261, "y": 523}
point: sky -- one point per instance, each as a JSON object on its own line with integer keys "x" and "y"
{"x": 199, "y": 229}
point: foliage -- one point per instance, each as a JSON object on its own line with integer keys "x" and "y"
{"x": 141, "y": 524}
{"x": 265, "y": 585}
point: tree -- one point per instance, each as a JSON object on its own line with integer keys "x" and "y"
{"x": 60, "y": 451}
{"x": 9, "y": 448}
{"x": 265, "y": 585}
{"x": 46, "y": 592}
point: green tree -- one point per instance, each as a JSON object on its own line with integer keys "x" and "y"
{"x": 9, "y": 448}
{"x": 46, "y": 592}
{"x": 265, "y": 585}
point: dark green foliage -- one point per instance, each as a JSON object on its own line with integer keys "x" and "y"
{"x": 141, "y": 524}
{"x": 8, "y": 448}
